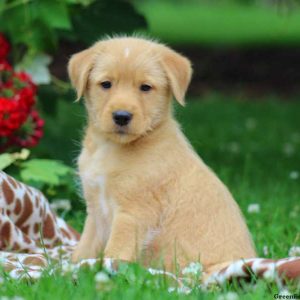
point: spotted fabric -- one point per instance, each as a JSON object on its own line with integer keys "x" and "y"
{"x": 281, "y": 271}
{"x": 30, "y": 232}
{"x": 32, "y": 237}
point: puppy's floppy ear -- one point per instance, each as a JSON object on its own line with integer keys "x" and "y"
{"x": 79, "y": 68}
{"x": 179, "y": 72}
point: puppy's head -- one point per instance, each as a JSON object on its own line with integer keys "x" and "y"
{"x": 127, "y": 84}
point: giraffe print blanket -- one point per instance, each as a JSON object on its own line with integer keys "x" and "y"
{"x": 32, "y": 237}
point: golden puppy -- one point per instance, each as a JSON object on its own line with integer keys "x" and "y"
{"x": 149, "y": 196}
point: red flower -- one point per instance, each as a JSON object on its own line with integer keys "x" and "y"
{"x": 32, "y": 138}
{"x": 20, "y": 124}
{"x": 11, "y": 117}
{"x": 26, "y": 97}
{"x": 4, "y": 47}
{"x": 5, "y": 66}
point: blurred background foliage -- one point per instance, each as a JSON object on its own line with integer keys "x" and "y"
{"x": 224, "y": 22}
{"x": 247, "y": 51}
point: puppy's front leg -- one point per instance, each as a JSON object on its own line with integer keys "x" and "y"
{"x": 126, "y": 238}
{"x": 89, "y": 245}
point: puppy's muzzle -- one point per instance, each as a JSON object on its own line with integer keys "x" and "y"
{"x": 121, "y": 117}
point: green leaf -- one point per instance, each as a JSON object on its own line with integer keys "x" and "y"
{"x": 14, "y": 18}
{"x": 106, "y": 17}
{"x": 39, "y": 37}
{"x": 54, "y": 13}
{"x": 6, "y": 159}
{"x": 33, "y": 24}
{"x": 82, "y": 2}
{"x": 44, "y": 170}
{"x": 2, "y": 6}
{"x": 22, "y": 155}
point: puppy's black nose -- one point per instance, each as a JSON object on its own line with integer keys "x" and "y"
{"x": 122, "y": 117}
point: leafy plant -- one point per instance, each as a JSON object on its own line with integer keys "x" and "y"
{"x": 45, "y": 171}
{"x": 7, "y": 159}
{"x": 105, "y": 17}
{"x": 52, "y": 177}
{"x": 36, "y": 27}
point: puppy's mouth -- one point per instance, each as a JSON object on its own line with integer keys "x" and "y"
{"x": 121, "y": 130}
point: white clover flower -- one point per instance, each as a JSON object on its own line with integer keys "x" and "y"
{"x": 184, "y": 290}
{"x": 103, "y": 281}
{"x": 229, "y": 296}
{"x": 293, "y": 214}
{"x": 102, "y": 277}
{"x": 295, "y": 137}
{"x": 294, "y": 251}
{"x": 13, "y": 298}
{"x": 75, "y": 276}
{"x": 294, "y": 175}
{"x": 193, "y": 268}
{"x": 63, "y": 204}
{"x": 288, "y": 149}
{"x": 180, "y": 290}
{"x": 295, "y": 211}
{"x": 253, "y": 208}
{"x": 90, "y": 262}
{"x": 265, "y": 250}
{"x": 250, "y": 123}
{"x": 234, "y": 147}
{"x": 68, "y": 267}
{"x": 285, "y": 294}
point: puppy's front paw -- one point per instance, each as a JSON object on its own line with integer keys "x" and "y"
{"x": 83, "y": 253}
{"x": 76, "y": 256}
{"x": 111, "y": 265}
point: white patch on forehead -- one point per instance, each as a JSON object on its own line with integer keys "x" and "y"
{"x": 126, "y": 52}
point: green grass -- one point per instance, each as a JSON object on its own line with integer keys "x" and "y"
{"x": 253, "y": 147}
{"x": 221, "y": 22}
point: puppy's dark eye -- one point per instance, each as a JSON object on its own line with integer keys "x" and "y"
{"x": 145, "y": 87}
{"x": 106, "y": 84}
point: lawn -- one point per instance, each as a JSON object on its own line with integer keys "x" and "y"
{"x": 253, "y": 146}
{"x": 222, "y": 22}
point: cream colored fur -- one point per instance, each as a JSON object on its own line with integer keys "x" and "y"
{"x": 149, "y": 196}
